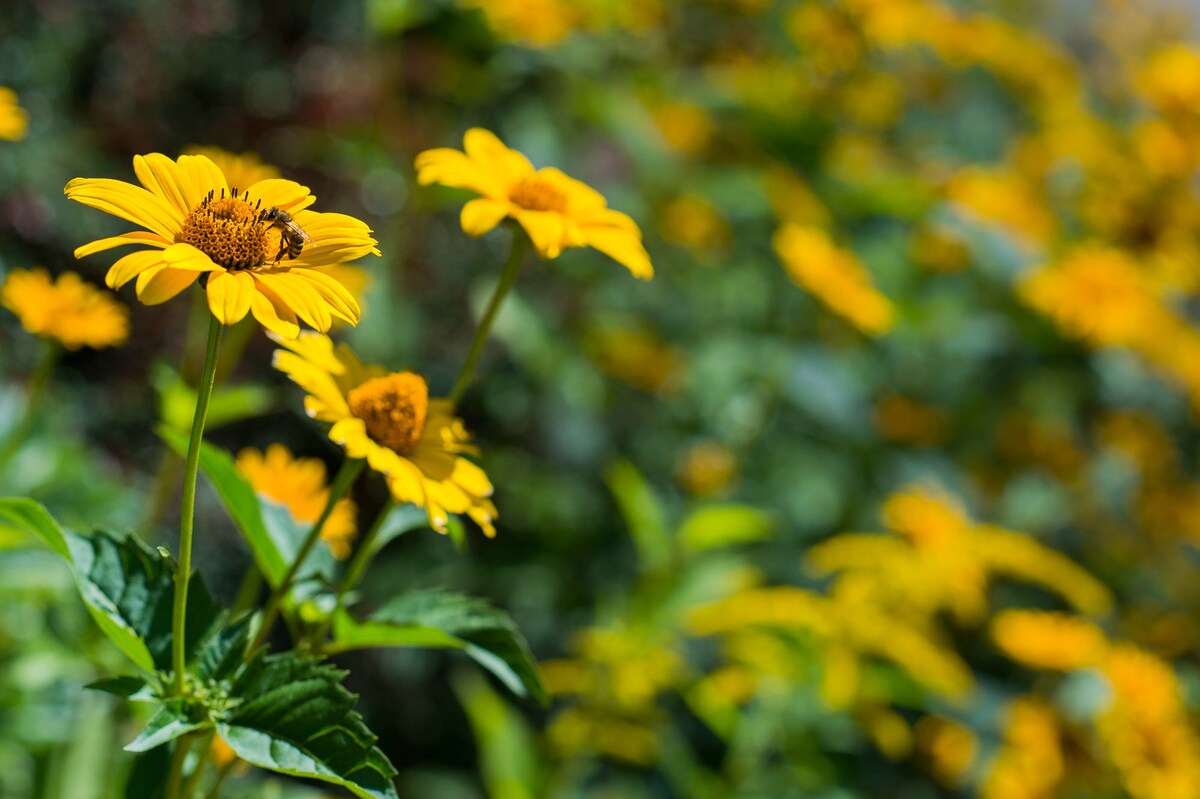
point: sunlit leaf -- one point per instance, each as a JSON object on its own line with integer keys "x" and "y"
{"x": 170, "y": 721}
{"x": 643, "y": 514}
{"x": 723, "y": 525}
{"x": 296, "y": 718}
{"x": 443, "y": 620}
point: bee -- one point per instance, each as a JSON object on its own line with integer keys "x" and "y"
{"x": 292, "y": 237}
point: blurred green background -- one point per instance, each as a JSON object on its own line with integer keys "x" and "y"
{"x": 990, "y": 292}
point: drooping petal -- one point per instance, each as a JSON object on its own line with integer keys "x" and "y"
{"x": 623, "y": 246}
{"x": 339, "y": 299}
{"x": 131, "y": 203}
{"x": 132, "y": 237}
{"x": 132, "y": 265}
{"x": 273, "y": 314}
{"x": 547, "y": 230}
{"x": 230, "y": 295}
{"x": 480, "y": 216}
{"x": 161, "y": 283}
{"x": 300, "y": 295}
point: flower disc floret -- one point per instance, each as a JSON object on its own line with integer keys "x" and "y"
{"x": 228, "y": 230}
{"x": 393, "y": 408}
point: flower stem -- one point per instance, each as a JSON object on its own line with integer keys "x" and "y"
{"x": 345, "y": 478}
{"x": 222, "y": 775}
{"x": 354, "y": 572}
{"x": 520, "y": 244}
{"x": 175, "y": 773}
{"x": 188, "y": 511}
{"x": 37, "y": 387}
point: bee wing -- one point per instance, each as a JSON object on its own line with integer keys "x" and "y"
{"x": 299, "y": 231}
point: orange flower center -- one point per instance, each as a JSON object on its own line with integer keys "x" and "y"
{"x": 228, "y": 230}
{"x": 393, "y": 408}
{"x": 535, "y": 194}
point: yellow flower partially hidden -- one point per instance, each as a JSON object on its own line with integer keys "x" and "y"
{"x": 197, "y": 224}
{"x": 240, "y": 169}
{"x": 556, "y": 211}
{"x": 68, "y": 310}
{"x": 13, "y": 119}
{"x": 299, "y": 485}
{"x": 388, "y": 418}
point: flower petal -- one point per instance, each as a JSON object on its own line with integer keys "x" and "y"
{"x": 230, "y": 295}
{"x": 132, "y": 265}
{"x": 273, "y": 314}
{"x": 546, "y": 229}
{"x": 133, "y": 237}
{"x": 185, "y": 256}
{"x": 286, "y": 195}
{"x": 339, "y": 299}
{"x": 623, "y": 246}
{"x": 129, "y": 202}
{"x": 299, "y": 295}
{"x": 159, "y": 284}
{"x": 161, "y": 177}
{"x": 480, "y": 216}
{"x": 485, "y": 149}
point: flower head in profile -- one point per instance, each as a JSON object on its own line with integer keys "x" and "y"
{"x": 389, "y": 419}
{"x": 67, "y": 310}
{"x": 299, "y": 485}
{"x": 556, "y": 211}
{"x": 13, "y": 119}
{"x": 197, "y": 225}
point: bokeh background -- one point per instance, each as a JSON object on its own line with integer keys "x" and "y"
{"x": 884, "y": 486}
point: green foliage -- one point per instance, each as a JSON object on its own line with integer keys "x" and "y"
{"x": 509, "y": 757}
{"x": 294, "y": 717}
{"x": 715, "y": 526}
{"x": 441, "y": 619}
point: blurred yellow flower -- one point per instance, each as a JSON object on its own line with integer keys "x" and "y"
{"x": 13, "y": 119}
{"x": 556, "y": 211}
{"x": 1170, "y": 79}
{"x": 1004, "y": 198}
{"x": 692, "y": 221}
{"x": 1047, "y": 640}
{"x": 588, "y": 729}
{"x": 299, "y": 485}
{"x": 68, "y": 310}
{"x": 240, "y": 169}
{"x": 196, "y": 224}
{"x": 536, "y": 22}
{"x": 949, "y": 747}
{"x": 904, "y": 420}
{"x": 834, "y": 276}
{"x": 938, "y": 250}
{"x": 685, "y": 127}
{"x": 1030, "y": 764}
{"x": 707, "y": 468}
{"x": 388, "y": 418}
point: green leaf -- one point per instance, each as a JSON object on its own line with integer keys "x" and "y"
{"x": 220, "y": 653}
{"x": 508, "y": 749}
{"x": 30, "y": 516}
{"x": 643, "y": 513}
{"x": 715, "y": 526}
{"x": 443, "y": 620}
{"x": 123, "y": 687}
{"x": 177, "y": 400}
{"x": 240, "y": 501}
{"x": 296, "y": 718}
{"x": 400, "y": 520}
{"x": 171, "y": 720}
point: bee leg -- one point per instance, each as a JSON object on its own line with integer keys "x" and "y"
{"x": 283, "y": 246}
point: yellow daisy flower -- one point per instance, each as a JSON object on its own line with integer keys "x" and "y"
{"x": 68, "y": 310}
{"x": 556, "y": 211}
{"x": 388, "y": 418}
{"x": 13, "y": 119}
{"x": 196, "y": 224}
{"x": 299, "y": 485}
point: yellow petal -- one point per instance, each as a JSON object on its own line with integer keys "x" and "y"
{"x": 480, "y": 216}
{"x": 129, "y": 202}
{"x": 337, "y": 297}
{"x": 487, "y": 151}
{"x": 132, "y": 265}
{"x": 185, "y": 256}
{"x": 198, "y": 175}
{"x": 299, "y": 295}
{"x": 547, "y": 231}
{"x": 287, "y": 195}
{"x": 230, "y": 295}
{"x": 160, "y": 175}
{"x": 623, "y": 247}
{"x": 159, "y": 284}
{"x": 133, "y": 237}
{"x": 273, "y": 314}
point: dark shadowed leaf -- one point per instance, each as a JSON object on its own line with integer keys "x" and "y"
{"x": 171, "y": 720}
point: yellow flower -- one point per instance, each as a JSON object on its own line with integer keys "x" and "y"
{"x": 72, "y": 312}
{"x": 13, "y": 119}
{"x": 1170, "y": 79}
{"x": 556, "y": 211}
{"x": 388, "y": 418}
{"x": 196, "y": 224}
{"x": 1030, "y": 763}
{"x": 1045, "y": 640}
{"x": 707, "y": 468}
{"x": 835, "y": 276}
{"x": 949, "y": 747}
{"x": 299, "y": 485}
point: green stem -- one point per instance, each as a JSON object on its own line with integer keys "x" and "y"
{"x": 38, "y": 381}
{"x": 188, "y": 510}
{"x": 193, "y": 781}
{"x": 222, "y": 775}
{"x": 520, "y": 244}
{"x": 175, "y": 773}
{"x": 346, "y": 476}
{"x": 354, "y": 572}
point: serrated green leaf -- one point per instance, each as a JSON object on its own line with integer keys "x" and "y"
{"x": 240, "y": 501}
{"x": 296, "y": 718}
{"x": 723, "y": 525}
{"x": 169, "y": 722}
{"x": 220, "y": 652}
{"x": 26, "y": 514}
{"x": 445, "y": 620}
